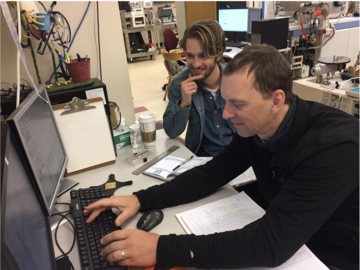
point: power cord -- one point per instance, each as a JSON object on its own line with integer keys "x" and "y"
{"x": 70, "y": 211}
{"x": 118, "y": 109}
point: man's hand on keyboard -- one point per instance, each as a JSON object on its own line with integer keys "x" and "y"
{"x": 128, "y": 206}
{"x": 136, "y": 248}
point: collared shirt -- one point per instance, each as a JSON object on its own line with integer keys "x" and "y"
{"x": 177, "y": 119}
{"x": 217, "y": 132}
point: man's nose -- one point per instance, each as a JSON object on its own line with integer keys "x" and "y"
{"x": 226, "y": 112}
{"x": 197, "y": 62}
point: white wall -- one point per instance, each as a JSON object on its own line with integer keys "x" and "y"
{"x": 113, "y": 56}
{"x": 344, "y": 43}
{"x": 181, "y": 18}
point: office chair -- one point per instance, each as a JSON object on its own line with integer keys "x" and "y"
{"x": 171, "y": 57}
{"x": 171, "y": 41}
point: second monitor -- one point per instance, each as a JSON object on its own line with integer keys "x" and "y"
{"x": 233, "y": 20}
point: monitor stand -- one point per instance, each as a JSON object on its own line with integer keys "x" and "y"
{"x": 66, "y": 185}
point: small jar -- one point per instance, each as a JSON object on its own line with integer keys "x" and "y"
{"x": 135, "y": 137}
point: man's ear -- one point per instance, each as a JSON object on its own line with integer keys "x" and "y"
{"x": 218, "y": 58}
{"x": 278, "y": 98}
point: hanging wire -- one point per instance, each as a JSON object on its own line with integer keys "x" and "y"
{"x": 72, "y": 40}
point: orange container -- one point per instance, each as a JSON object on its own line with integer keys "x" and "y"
{"x": 79, "y": 71}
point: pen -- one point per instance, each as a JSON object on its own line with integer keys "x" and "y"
{"x": 62, "y": 58}
{"x": 85, "y": 58}
{"x": 67, "y": 58}
{"x": 182, "y": 163}
{"x": 78, "y": 57}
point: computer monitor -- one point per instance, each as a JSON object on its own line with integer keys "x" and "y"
{"x": 26, "y": 241}
{"x": 254, "y": 14}
{"x": 233, "y": 20}
{"x": 34, "y": 127}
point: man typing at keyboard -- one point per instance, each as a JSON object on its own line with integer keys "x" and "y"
{"x": 306, "y": 159}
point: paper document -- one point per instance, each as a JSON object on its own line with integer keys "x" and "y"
{"x": 234, "y": 213}
{"x": 244, "y": 178}
{"x": 164, "y": 169}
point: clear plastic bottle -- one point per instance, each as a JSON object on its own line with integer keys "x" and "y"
{"x": 135, "y": 137}
{"x": 122, "y": 124}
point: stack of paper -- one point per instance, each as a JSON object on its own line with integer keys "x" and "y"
{"x": 234, "y": 213}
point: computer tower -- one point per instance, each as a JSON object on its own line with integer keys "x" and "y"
{"x": 272, "y": 32}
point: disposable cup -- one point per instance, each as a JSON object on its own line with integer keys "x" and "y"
{"x": 148, "y": 130}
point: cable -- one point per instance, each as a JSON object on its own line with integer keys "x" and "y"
{"x": 97, "y": 9}
{"x": 326, "y": 41}
{"x": 63, "y": 203}
{"x": 77, "y": 29}
{"x": 64, "y": 254}
{"x": 42, "y": 6}
{"x": 302, "y": 27}
{"x": 347, "y": 81}
{"x": 18, "y": 54}
{"x": 96, "y": 42}
{"x": 72, "y": 40}
{"x": 7, "y": 84}
{"x": 118, "y": 109}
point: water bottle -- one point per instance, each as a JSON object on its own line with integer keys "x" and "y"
{"x": 135, "y": 137}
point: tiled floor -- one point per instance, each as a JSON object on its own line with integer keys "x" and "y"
{"x": 147, "y": 78}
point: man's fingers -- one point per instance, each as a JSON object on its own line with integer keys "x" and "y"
{"x": 121, "y": 218}
{"x": 114, "y": 236}
{"x": 94, "y": 214}
{"x": 112, "y": 248}
{"x": 104, "y": 203}
{"x": 116, "y": 255}
{"x": 193, "y": 78}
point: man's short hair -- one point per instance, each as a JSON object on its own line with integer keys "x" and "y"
{"x": 270, "y": 68}
{"x": 210, "y": 35}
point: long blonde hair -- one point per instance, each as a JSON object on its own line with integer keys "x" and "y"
{"x": 210, "y": 35}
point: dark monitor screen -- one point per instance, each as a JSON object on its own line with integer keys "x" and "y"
{"x": 254, "y": 14}
{"x": 25, "y": 227}
{"x": 34, "y": 126}
{"x": 233, "y": 20}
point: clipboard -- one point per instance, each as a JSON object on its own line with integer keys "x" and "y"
{"x": 85, "y": 131}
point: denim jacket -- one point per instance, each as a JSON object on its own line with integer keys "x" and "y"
{"x": 176, "y": 118}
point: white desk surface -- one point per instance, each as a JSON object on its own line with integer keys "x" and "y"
{"x": 122, "y": 171}
{"x": 234, "y": 51}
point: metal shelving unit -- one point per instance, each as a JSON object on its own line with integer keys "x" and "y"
{"x": 154, "y": 36}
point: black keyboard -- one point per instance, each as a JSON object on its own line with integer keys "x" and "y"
{"x": 89, "y": 235}
{"x": 230, "y": 43}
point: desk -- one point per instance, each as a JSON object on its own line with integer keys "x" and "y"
{"x": 122, "y": 171}
{"x": 234, "y": 51}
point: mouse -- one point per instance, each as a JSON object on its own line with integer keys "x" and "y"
{"x": 228, "y": 50}
{"x": 150, "y": 219}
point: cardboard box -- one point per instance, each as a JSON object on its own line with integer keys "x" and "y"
{"x": 121, "y": 138}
